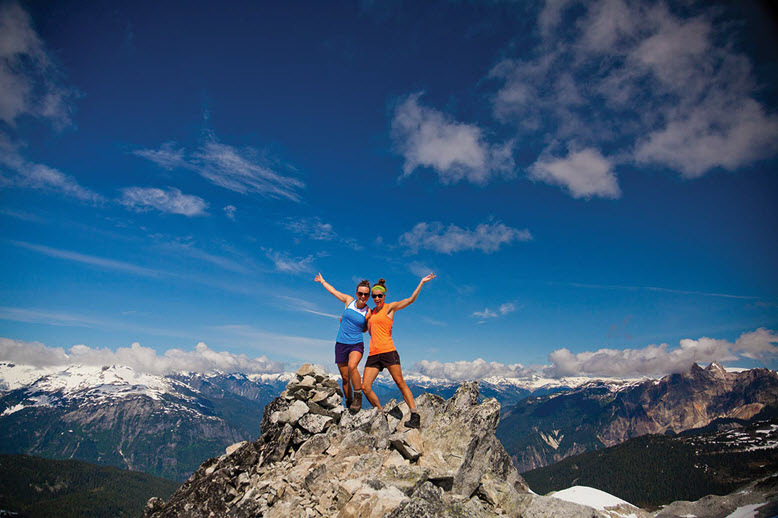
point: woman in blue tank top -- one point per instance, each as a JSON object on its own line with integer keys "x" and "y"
{"x": 350, "y": 346}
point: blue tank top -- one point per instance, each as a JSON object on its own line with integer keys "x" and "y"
{"x": 352, "y": 324}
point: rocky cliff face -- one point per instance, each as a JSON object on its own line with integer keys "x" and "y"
{"x": 540, "y": 431}
{"x": 315, "y": 459}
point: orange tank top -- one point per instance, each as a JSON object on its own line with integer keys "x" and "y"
{"x": 381, "y": 334}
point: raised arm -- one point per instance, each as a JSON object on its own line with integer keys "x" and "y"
{"x": 327, "y": 286}
{"x": 402, "y": 304}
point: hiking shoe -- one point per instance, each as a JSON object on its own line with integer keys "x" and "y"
{"x": 348, "y": 402}
{"x": 414, "y": 421}
{"x": 356, "y": 404}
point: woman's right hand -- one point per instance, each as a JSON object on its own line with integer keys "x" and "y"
{"x": 319, "y": 278}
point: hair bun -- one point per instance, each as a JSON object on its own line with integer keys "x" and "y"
{"x": 381, "y": 282}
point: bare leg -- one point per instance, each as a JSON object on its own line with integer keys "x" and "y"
{"x": 354, "y": 358}
{"x": 397, "y": 375}
{"x": 368, "y": 378}
{"x": 344, "y": 378}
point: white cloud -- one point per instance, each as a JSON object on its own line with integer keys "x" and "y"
{"x": 646, "y": 83}
{"x": 657, "y": 360}
{"x": 470, "y": 370}
{"x": 584, "y": 174}
{"x": 230, "y": 211}
{"x": 101, "y": 262}
{"x": 22, "y": 173}
{"x": 312, "y": 228}
{"x": 142, "y": 359}
{"x": 487, "y": 237}
{"x": 761, "y": 344}
{"x": 288, "y": 264}
{"x": 419, "y": 269}
{"x": 171, "y": 201}
{"x": 168, "y": 156}
{"x": 29, "y": 77}
{"x": 245, "y": 170}
{"x": 504, "y": 309}
{"x": 456, "y": 151}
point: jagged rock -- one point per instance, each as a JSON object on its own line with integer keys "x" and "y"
{"x": 409, "y": 444}
{"x": 367, "y": 464}
{"x": 314, "y": 423}
{"x": 232, "y": 448}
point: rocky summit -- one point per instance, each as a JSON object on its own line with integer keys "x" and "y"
{"x": 314, "y": 458}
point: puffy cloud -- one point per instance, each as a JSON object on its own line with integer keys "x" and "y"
{"x": 230, "y": 211}
{"x": 487, "y": 237}
{"x": 657, "y": 360}
{"x": 141, "y": 359}
{"x": 29, "y": 77}
{"x": 471, "y": 370}
{"x": 171, "y": 201}
{"x": 456, "y": 151}
{"x": 650, "y": 84}
{"x": 243, "y": 170}
{"x": 761, "y": 344}
{"x": 584, "y": 174}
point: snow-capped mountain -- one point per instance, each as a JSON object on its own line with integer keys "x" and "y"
{"x": 167, "y": 425}
{"x": 164, "y": 425}
{"x": 539, "y": 431}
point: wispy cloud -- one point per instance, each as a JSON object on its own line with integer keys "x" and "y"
{"x": 230, "y": 212}
{"x": 314, "y": 228}
{"x": 658, "y": 289}
{"x": 285, "y": 263}
{"x": 311, "y": 228}
{"x": 142, "y": 359}
{"x": 243, "y": 170}
{"x": 456, "y": 151}
{"x": 171, "y": 201}
{"x": 101, "y": 262}
{"x": 18, "y": 172}
{"x": 188, "y": 249}
{"x": 652, "y": 85}
{"x": 504, "y": 309}
{"x": 487, "y": 237}
{"x": 303, "y": 348}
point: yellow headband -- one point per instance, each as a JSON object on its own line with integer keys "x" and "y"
{"x": 379, "y": 287}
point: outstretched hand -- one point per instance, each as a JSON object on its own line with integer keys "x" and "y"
{"x": 428, "y": 278}
{"x": 319, "y": 278}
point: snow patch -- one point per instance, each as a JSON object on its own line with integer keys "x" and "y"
{"x": 747, "y": 511}
{"x": 590, "y": 497}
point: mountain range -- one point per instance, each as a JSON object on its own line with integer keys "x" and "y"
{"x": 167, "y": 425}
{"x": 539, "y": 431}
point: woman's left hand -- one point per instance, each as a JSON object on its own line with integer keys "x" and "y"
{"x": 428, "y": 278}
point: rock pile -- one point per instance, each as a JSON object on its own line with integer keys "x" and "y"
{"x": 316, "y": 459}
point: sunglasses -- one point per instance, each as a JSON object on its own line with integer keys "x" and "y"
{"x": 378, "y": 295}
{"x": 363, "y": 294}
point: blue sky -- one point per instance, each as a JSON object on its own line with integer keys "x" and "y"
{"x": 594, "y": 184}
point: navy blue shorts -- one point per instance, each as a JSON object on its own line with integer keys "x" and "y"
{"x": 343, "y": 350}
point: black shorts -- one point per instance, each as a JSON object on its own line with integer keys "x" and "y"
{"x": 379, "y": 361}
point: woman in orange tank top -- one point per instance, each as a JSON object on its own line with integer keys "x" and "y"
{"x": 382, "y": 350}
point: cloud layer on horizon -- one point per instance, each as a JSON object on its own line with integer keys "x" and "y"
{"x": 650, "y": 361}
{"x": 142, "y": 359}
